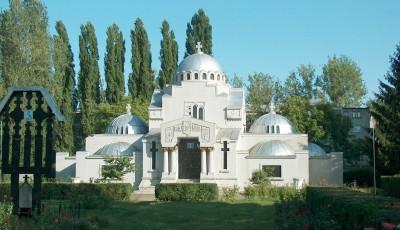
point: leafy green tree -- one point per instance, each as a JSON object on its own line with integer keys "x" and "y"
{"x": 89, "y": 76}
{"x": 25, "y": 45}
{"x": 199, "y": 30}
{"x": 114, "y": 61}
{"x": 64, "y": 73}
{"x": 305, "y": 117}
{"x": 116, "y": 167}
{"x": 236, "y": 81}
{"x": 260, "y": 92}
{"x": 342, "y": 82}
{"x": 386, "y": 112}
{"x": 168, "y": 56}
{"x": 141, "y": 80}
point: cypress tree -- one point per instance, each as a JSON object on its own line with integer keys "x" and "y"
{"x": 89, "y": 76}
{"x": 168, "y": 55}
{"x": 65, "y": 76}
{"x": 25, "y": 45}
{"x": 141, "y": 80}
{"x": 114, "y": 65}
{"x": 386, "y": 111}
{"x": 199, "y": 30}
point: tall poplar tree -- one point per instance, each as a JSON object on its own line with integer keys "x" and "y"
{"x": 141, "y": 80}
{"x": 25, "y": 45}
{"x": 114, "y": 61}
{"x": 64, "y": 74}
{"x": 89, "y": 76}
{"x": 168, "y": 55}
{"x": 199, "y": 30}
{"x": 386, "y": 111}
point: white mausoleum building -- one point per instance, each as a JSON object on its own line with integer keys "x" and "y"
{"x": 196, "y": 133}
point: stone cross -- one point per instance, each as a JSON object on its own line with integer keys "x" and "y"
{"x": 198, "y": 47}
{"x": 153, "y": 154}
{"x": 272, "y": 107}
{"x": 128, "y": 109}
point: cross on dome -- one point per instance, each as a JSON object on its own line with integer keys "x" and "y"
{"x": 272, "y": 107}
{"x": 198, "y": 47}
{"x": 128, "y": 109}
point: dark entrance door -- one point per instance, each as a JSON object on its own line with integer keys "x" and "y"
{"x": 189, "y": 159}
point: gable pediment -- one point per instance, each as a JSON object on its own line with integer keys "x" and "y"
{"x": 188, "y": 127}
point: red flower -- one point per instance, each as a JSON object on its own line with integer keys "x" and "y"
{"x": 388, "y": 225}
{"x": 306, "y": 226}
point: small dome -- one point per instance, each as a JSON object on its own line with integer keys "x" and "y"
{"x": 200, "y": 67}
{"x": 271, "y": 148}
{"x": 127, "y": 124}
{"x": 272, "y": 123}
{"x": 315, "y": 150}
{"x": 117, "y": 149}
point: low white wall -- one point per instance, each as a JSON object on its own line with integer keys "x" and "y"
{"x": 327, "y": 170}
{"x": 65, "y": 165}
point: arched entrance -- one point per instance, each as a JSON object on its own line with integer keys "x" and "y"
{"x": 189, "y": 158}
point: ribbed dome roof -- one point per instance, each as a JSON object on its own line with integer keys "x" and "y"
{"x": 116, "y": 149}
{"x": 315, "y": 150}
{"x": 200, "y": 67}
{"x": 127, "y": 124}
{"x": 199, "y": 62}
{"x": 272, "y": 123}
{"x": 271, "y": 148}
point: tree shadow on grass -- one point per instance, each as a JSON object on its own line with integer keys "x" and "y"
{"x": 189, "y": 215}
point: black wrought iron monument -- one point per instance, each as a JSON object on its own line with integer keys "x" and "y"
{"x": 27, "y": 117}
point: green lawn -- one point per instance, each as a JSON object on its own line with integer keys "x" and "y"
{"x": 186, "y": 215}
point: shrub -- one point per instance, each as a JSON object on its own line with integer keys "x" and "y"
{"x": 260, "y": 177}
{"x": 391, "y": 185}
{"x": 5, "y": 214}
{"x": 86, "y": 194}
{"x": 362, "y": 176}
{"x": 353, "y": 210}
{"x": 230, "y": 193}
{"x": 189, "y": 192}
{"x": 264, "y": 191}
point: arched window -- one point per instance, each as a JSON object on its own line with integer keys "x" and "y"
{"x": 181, "y": 77}
{"x": 212, "y": 76}
{"x": 122, "y": 130}
{"x": 272, "y": 129}
{"x": 204, "y": 76}
{"x": 277, "y": 129}
{"x": 218, "y": 77}
{"x": 126, "y": 130}
{"x": 267, "y": 128}
{"x": 201, "y": 113}
{"x": 196, "y": 76}
{"x": 195, "y": 111}
{"x": 188, "y": 76}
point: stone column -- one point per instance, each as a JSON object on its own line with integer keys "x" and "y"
{"x": 165, "y": 168}
{"x": 203, "y": 161}
{"x": 210, "y": 161}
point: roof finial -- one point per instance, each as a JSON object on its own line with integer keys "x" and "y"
{"x": 198, "y": 47}
{"x": 272, "y": 107}
{"x": 128, "y": 109}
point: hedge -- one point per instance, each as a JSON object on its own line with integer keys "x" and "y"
{"x": 89, "y": 195}
{"x": 391, "y": 185}
{"x": 363, "y": 176}
{"x": 353, "y": 210}
{"x": 188, "y": 192}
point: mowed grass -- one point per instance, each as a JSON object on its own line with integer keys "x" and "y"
{"x": 187, "y": 215}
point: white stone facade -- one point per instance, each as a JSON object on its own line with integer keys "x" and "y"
{"x": 196, "y": 133}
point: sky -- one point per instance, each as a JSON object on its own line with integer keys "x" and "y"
{"x": 273, "y": 37}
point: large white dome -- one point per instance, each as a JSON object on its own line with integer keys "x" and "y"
{"x": 200, "y": 67}
{"x": 272, "y": 123}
